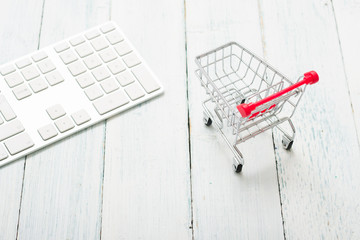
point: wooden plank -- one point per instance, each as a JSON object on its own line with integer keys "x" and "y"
{"x": 347, "y": 14}
{"x": 228, "y": 205}
{"x": 147, "y": 184}
{"x": 62, "y": 192}
{"x": 20, "y": 25}
{"x": 319, "y": 177}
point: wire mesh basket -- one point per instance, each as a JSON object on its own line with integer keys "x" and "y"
{"x": 249, "y": 95}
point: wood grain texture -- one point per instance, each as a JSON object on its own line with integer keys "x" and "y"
{"x": 62, "y": 191}
{"x": 147, "y": 183}
{"x": 227, "y": 205}
{"x": 17, "y": 37}
{"x": 319, "y": 180}
{"x": 347, "y": 14}
{"x": 146, "y": 190}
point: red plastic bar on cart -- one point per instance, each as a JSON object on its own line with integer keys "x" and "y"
{"x": 245, "y": 109}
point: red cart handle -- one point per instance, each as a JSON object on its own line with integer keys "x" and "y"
{"x": 245, "y": 109}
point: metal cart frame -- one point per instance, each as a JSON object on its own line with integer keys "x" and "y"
{"x": 248, "y": 96}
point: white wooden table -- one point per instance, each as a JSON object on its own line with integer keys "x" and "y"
{"x": 156, "y": 172}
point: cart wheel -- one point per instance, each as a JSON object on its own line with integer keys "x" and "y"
{"x": 237, "y": 167}
{"x": 207, "y": 121}
{"x": 287, "y": 143}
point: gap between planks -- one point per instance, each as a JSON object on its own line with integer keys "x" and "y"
{"x": 23, "y": 178}
{"x": 263, "y": 42}
{"x": 189, "y": 125}
{"x": 344, "y": 68}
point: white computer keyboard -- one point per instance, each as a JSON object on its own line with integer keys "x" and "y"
{"x": 68, "y": 86}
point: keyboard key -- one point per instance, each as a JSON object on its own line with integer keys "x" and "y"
{"x": 61, "y": 47}
{"x": 134, "y": 91}
{"x": 99, "y": 43}
{"x": 84, "y": 50}
{"x": 68, "y": 56}
{"x": 114, "y": 37}
{"x": 146, "y": 79}
{"x": 93, "y": 92}
{"x": 110, "y": 102}
{"x": 46, "y": 66}
{"x": 131, "y": 60}
{"x": 77, "y": 40}
{"x": 92, "y": 34}
{"x": 14, "y": 79}
{"x": 48, "y": 131}
{"x": 76, "y": 68}
{"x": 125, "y": 78}
{"x": 123, "y": 48}
{"x": 7, "y": 69}
{"x": 55, "y": 111}
{"x": 54, "y": 78}
{"x": 64, "y": 124}
{"x": 92, "y": 61}
{"x": 109, "y": 85}
{"x": 19, "y": 143}
{"x": 85, "y": 80}
{"x": 6, "y": 109}
{"x": 38, "y": 84}
{"x": 107, "y": 28}
{"x": 23, "y": 63}
{"x": 80, "y": 117}
{"x": 30, "y": 72}
{"x": 100, "y": 73}
{"x": 21, "y": 92}
{"x": 3, "y": 153}
{"x": 107, "y": 55}
{"x": 39, "y": 56}
{"x": 116, "y": 66}
{"x": 10, "y": 129}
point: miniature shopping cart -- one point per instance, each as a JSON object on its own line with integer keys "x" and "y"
{"x": 248, "y": 96}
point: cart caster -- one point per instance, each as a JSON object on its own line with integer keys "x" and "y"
{"x": 237, "y": 167}
{"x": 207, "y": 121}
{"x": 238, "y": 164}
{"x": 287, "y": 143}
